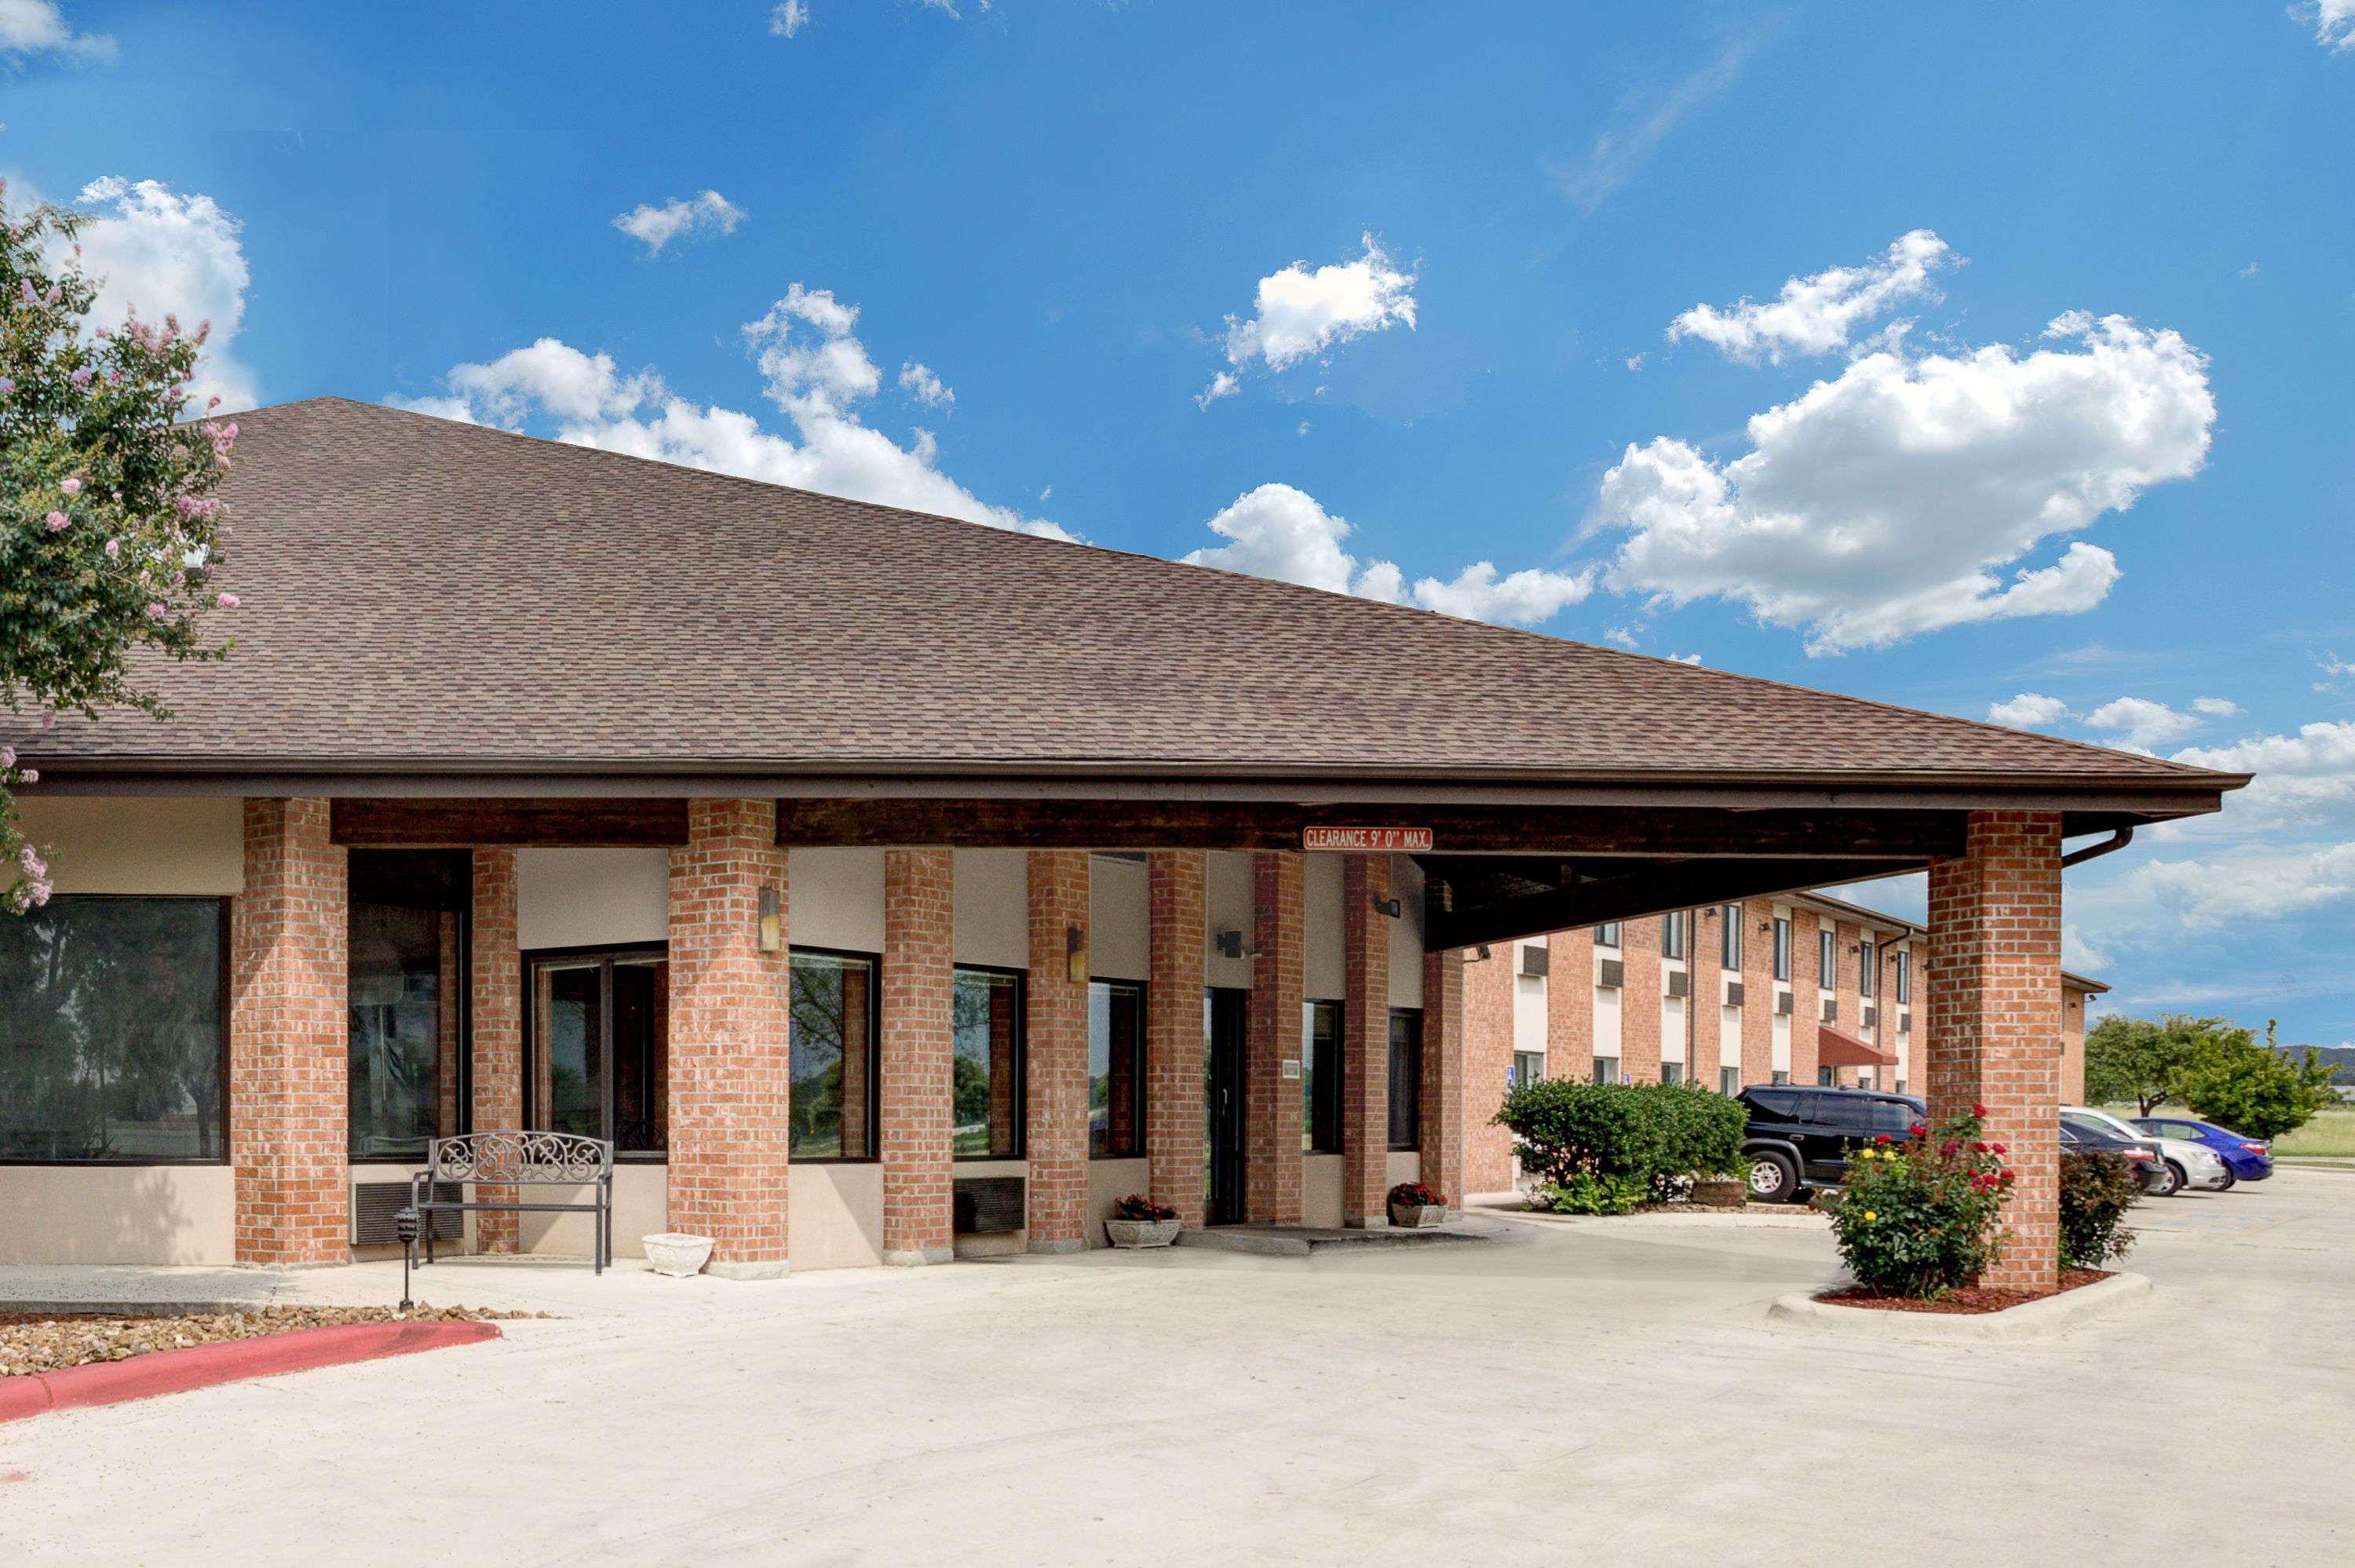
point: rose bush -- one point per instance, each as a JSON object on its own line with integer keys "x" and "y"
{"x": 1919, "y": 1217}
{"x": 2096, "y": 1190}
{"x": 1659, "y": 1136}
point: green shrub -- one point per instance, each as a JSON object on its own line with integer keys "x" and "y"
{"x": 2096, "y": 1190}
{"x": 1584, "y": 1194}
{"x": 1659, "y": 1136}
{"x": 1919, "y": 1218}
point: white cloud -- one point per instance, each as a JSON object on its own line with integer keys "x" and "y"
{"x": 2080, "y": 953}
{"x": 918, "y": 382}
{"x": 2249, "y": 882}
{"x": 1683, "y": 658}
{"x": 1816, "y": 314}
{"x": 1879, "y": 504}
{"x": 2334, "y": 23}
{"x": 658, "y": 225}
{"x": 2029, "y": 710}
{"x": 1644, "y": 122}
{"x": 38, "y": 26}
{"x": 1276, "y": 531}
{"x": 1222, "y": 385}
{"x": 816, "y": 372}
{"x": 1298, "y": 314}
{"x": 2142, "y": 721}
{"x": 2215, "y": 707}
{"x": 1620, "y": 635}
{"x": 2250, "y": 271}
{"x": 2334, "y": 670}
{"x": 1636, "y": 362}
{"x": 167, "y": 254}
{"x": 2302, "y": 778}
{"x": 789, "y": 19}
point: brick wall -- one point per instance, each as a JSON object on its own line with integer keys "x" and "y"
{"x": 1488, "y": 992}
{"x": 1757, "y": 994}
{"x": 730, "y": 1069}
{"x": 1994, "y": 1015}
{"x": 1570, "y": 1004}
{"x": 1177, "y": 933}
{"x": 2072, "y": 1047}
{"x": 289, "y": 1088}
{"x": 499, "y": 1027}
{"x": 1807, "y": 933}
{"x": 919, "y": 938}
{"x": 1056, "y": 1127}
{"x": 1444, "y": 1086}
{"x": 1643, "y": 1002}
{"x": 1366, "y": 1040}
{"x": 1273, "y": 1036}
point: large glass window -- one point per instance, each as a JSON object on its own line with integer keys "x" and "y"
{"x": 112, "y": 1030}
{"x": 1528, "y": 1067}
{"x": 1868, "y": 973}
{"x": 1782, "y": 949}
{"x": 1672, "y": 934}
{"x": 1321, "y": 1077}
{"x": 1904, "y": 976}
{"x": 834, "y": 1114}
{"x": 407, "y": 996}
{"x": 1729, "y": 940}
{"x": 1115, "y": 1070}
{"x": 1406, "y": 1078}
{"x": 1607, "y": 1069}
{"x": 1827, "y": 965}
{"x": 1607, "y": 934}
{"x": 600, "y": 1047}
{"x": 985, "y": 1092}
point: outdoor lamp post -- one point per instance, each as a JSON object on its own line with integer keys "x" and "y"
{"x": 404, "y": 1225}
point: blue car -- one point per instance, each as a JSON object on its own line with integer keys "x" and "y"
{"x": 2248, "y": 1158}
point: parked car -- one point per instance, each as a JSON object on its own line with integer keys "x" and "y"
{"x": 2079, "y": 1136}
{"x": 2189, "y": 1164}
{"x": 1800, "y": 1136}
{"x": 2245, "y": 1158}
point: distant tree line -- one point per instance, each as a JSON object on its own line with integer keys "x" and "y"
{"x": 2219, "y": 1069}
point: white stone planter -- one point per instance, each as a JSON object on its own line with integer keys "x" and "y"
{"x": 1141, "y": 1233}
{"x": 1418, "y": 1216}
{"x": 679, "y": 1255}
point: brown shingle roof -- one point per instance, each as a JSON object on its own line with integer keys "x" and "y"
{"x": 419, "y": 591}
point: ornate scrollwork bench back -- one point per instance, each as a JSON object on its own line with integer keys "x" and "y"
{"x": 513, "y": 1160}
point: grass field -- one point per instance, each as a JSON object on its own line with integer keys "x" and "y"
{"x": 2331, "y": 1133}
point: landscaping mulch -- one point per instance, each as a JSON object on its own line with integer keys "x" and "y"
{"x": 1977, "y": 1298}
{"x": 33, "y": 1342}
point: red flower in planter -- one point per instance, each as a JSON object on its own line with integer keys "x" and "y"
{"x": 1884, "y": 1137}
{"x": 1998, "y": 1148}
{"x": 1979, "y": 1111}
{"x": 1979, "y": 1147}
{"x": 1917, "y": 1129}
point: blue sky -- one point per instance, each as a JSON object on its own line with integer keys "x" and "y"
{"x": 1443, "y": 268}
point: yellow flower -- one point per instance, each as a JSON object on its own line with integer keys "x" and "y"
{"x": 1870, "y": 1216}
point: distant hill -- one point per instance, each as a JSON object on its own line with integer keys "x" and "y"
{"x": 2340, "y": 1057}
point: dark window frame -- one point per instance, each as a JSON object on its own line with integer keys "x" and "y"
{"x": 1390, "y": 1043}
{"x": 1729, "y": 940}
{"x": 1137, "y": 1078}
{"x": 459, "y": 901}
{"x": 1323, "y": 1115}
{"x": 1022, "y": 1098}
{"x": 1783, "y": 949}
{"x": 1609, "y": 935}
{"x": 606, "y": 954}
{"x": 1868, "y": 968}
{"x": 874, "y": 1053}
{"x": 1904, "y": 976}
{"x": 1673, "y": 938}
{"x": 1826, "y": 959}
{"x": 227, "y": 1125}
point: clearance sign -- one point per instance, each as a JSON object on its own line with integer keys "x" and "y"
{"x": 1367, "y": 841}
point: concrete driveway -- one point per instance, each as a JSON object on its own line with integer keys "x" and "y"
{"x": 1600, "y": 1392}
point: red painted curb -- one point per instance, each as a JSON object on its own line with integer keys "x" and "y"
{"x": 229, "y": 1360}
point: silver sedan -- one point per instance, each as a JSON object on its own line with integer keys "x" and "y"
{"x": 2188, "y": 1164}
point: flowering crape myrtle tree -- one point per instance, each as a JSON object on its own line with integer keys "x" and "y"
{"x": 110, "y": 532}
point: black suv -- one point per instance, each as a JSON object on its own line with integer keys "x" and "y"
{"x": 1800, "y": 1136}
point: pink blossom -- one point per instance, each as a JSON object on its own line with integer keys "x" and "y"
{"x": 48, "y": 718}
{"x": 7, "y": 758}
{"x": 80, "y": 377}
{"x": 72, "y": 487}
{"x": 58, "y": 521}
{"x": 227, "y": 601}
{"x": 30, "y": 776}
{"x": 7, "y": 385}
{"x": 25, "y": 292}
{"x": 55, "y": 294}
{"x": 30, "y": 859}
{"x": 114, "y": 548}
{"x": 155, "y": 612}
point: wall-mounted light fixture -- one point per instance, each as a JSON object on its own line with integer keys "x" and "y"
{"x": 1447, "y": 898}
{"x": 1075, "y": 954}
{"x": 1764, "y": 926}
{"x": 772, "y": 920}
{"x": 1482, "y": 953}
{"x": 1231, "y": 945}
{"x": 1389, "y": 906}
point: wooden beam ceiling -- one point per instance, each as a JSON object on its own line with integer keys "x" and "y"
{"x": 385, "y": 822}
{"x": 1465, "y": 917}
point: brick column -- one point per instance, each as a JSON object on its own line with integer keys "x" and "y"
{"x": 1846, "y": 961}
{"x": 1176, "y": 940}
{"x": 1993, "y": 1015}
{"x": 1643, "y": 1000}
{"x": 1485, "y": 1005}
{"x": 1272, "y": 1037}
{"x": 498, "y": 1028}
{"x": 289, "y": 1088}
{"x": 1055, "y": 1125}
{"x": 730, "y": 1039}
{"x": 1366, "y": 1042}
{"x": 1445, "y": 1094}
{"x": 1570, "y": 1006}
{"x": 919, "y": 939}
{"x": 1757, "y": 994}
{"x": 2072, "y": 1047}
{"x": 1806, "y": 931}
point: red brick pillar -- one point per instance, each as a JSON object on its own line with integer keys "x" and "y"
{"x": 1173, "y": 1032}
{"x": 1445, "y": 1095}
{"x": 730, "y": 1039}
{"x": 1643, "y": 1000}
{"x": 1846, "y": 959}
{"x": 1365, "y": 1040}
{"x": 1570, "y": 1006}
{"x": 1272, "y": 1037}
{"x": 1485, "y": 1002}
{"x": 1056, "y": 1123}
{"x": 498, "y": 1028}
{"x": 289, "y": 1089}
{"x": 1994, "y": 1017}
{"x": 919, "y": 935}
{"x": 1807, "y": 1006}
{"x": 1757, "y": 996}
{"x": 2072, "y": 1047}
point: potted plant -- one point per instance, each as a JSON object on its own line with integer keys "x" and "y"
{"x": 1137, "y": 1220}
{"x": 1415, "y": 1205}
{"x": 676, "y": 1253}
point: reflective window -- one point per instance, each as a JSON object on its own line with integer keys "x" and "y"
{"x": 1321, "y": 1077}
{"x": 1115, "y": 1070}
{"x": 112, "y": 1016}
{"x": 1782, "y": 949}
{"x": 1406, "y": 1078}
{"x": 406, "y": 994}
{"x": 834, "y": 1111}
{"x": 1607, "y": 934}
{"x": 985, "y": 1083}
{"x": 1827, "y": 966}
{"x": 599, "y": 1047}
{"x": 1672, "y": 934}
{"x": 1730, "y": 937}
{"x": 1868, "y": 969}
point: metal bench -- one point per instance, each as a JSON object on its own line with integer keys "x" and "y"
{"x": 519, "y": 1160}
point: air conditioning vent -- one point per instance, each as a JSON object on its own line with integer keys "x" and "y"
{"x": 1783, "y": 1002}
{"x": 1905, "y": 1024}
{"x": 1533, "y": 963}
{"x": 1611, "y": 972}
{"x": 986, "y": 1205}
{"x": 373, "y": 1204}
{"x": 1679, "y": 984}
{"x": 1871, "y": 1017}
{"x": 1831, "y": 1010}
{"x": 1733, "y": 993}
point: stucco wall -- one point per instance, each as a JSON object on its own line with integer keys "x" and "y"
{"x": 1406, "y": 933}
{"x": 1407, "y": 1166}
{"x": 833, "y": 898}
{"x": 1119, "y": 919}
{"x": 641, "y": 1208}
{"x": 1320, "y": 1189}
{"x": 1110, "y": 1180}
{"x": 139, "y": 844}
{"x": 1227, "y": 906}
{"x": 1321, "y": 968}
{"x": 127, "y": 1214}
{"x": 586, "y": 897}
{"x": 992, "y": 908}
{"x": 835, "y": 1217}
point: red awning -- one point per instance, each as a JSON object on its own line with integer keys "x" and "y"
{"x": 1834, "y": 1049}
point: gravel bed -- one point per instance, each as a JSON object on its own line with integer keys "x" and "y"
{"x": 51, "y": 1342}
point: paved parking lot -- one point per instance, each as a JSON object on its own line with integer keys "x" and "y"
{"x": 1600, "y": 1391}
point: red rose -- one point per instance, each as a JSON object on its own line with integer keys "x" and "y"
{"x": 1884, "y": 1137}
{"x": 1917, "y": 1129}
{"x": 1978, "y": 1110}
{"x": 1978, "y": 1149}
{"x": 1998, "y": 1148}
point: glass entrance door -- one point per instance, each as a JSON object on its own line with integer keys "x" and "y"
{"x": 1223, "y": 1015}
